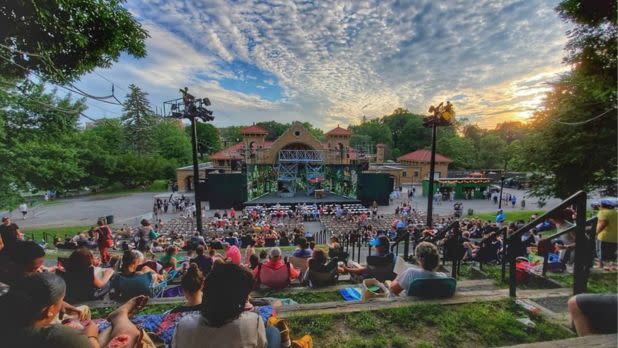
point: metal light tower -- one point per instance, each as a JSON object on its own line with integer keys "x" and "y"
{"x": 442, "y": 115}
{"x": 192, "y": 109}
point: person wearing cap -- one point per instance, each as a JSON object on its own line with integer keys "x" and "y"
{"x": 607, "y": 233}
{"x": 382, "y": 246}
{"x": 232, "y": 253}
{"x": 9, "y": 234}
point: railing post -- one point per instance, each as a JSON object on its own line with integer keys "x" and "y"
{"x": 358, "y": 257}
{"x": 353, "y": 249}
{"x": 504, "y": 244}
{"x": 406, "y": 246}
{"x": 510, "y": 255}
{"x": 580, "y": 281}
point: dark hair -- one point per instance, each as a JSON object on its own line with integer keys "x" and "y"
{"x": 302, "y": 243}
{"x": 225, "y": 293}
{"x": 100, "y": 222}
{"x": 80, "y": 261}
{"x": 28, "y": 297}
{"x": 311, "y": 245}
{"x": 263, "y": 254}
{"x": 127, "y": 259}
{"x": 170, "y": 250}
{"x": 319, "y": 256}
{"x": 254, "y": 261}
{"x": 199, "y": 250}
{"x": 145, "y": 222}
{"x": 193, "y": 280}
{"x": 25, "y": 252}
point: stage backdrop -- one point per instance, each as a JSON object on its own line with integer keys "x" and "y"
{"x": 374, "y": 187}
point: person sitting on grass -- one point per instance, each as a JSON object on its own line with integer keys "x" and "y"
{"x": 130, "y": 282}
{"x": 191, "y": 284}
{"x": 168, "y": 261}
{"x": 84, "y": 283}
{"x": 275, "y": 273}
{"x": 34, "y": 301}
{"x": 428, "y": 258}
{"x": 204, "y": 262}
{"x": 223, "y": 321}
{"x": 303, "y": 250}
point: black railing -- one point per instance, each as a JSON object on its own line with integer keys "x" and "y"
{"x": 405, "y": 238}
{"x": 455, "y": 242}
{"x": 582, "y": 240}
{"x": 545, "y": 244}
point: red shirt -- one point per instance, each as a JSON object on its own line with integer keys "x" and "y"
{"x": 233, "y": 254}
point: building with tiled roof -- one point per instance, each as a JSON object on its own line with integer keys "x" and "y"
{"x": 422, "y": 156}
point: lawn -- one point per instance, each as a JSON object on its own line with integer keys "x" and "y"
{"x": 510, "y": 215}
{"x": 468, "y": 325}
{"x": 598, "y": 283}
{"x": 37, "y": 232}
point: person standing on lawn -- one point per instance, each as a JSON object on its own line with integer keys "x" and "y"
{"x": 104, "y": 240}
{"x": 607, "y": 234}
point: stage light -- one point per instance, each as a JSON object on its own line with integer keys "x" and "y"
{"x": 206, "y": 101}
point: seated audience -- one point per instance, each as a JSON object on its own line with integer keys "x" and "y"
{"x": 204, "y": 262}
{"x": 35, "y": 301}
{"x": 22, "y": 259}
{"x": 191, "y": 284}
{"x": 130, "y": 282}
{"x": 428, "y": 258}
{"x": 223, "y": 321}
{"x": 84, "y": 283}
{"x": 275, "y": 273}
{"x": 232, "y": 253}
{"x": 382, "y": 245}
{"x": 168, "y": 261}
{"x": 320, "y": 263}
{"x": 303, "y": 250}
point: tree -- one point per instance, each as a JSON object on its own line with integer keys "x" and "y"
{"x": 379, "y": 132}
{"x": 66, "y": 39}
{"x": 230, "y": 135}
{"x": 138, "y": 120}
{"x": 574, "y": 141}
{"x": 172, "y": 142}
{"x": 316, "y": 132}
{"x": 460, "y": 150}
{"x": 492, "y": 152}
{"x": 207, "y": 139}
{"x": 274, "y": 129}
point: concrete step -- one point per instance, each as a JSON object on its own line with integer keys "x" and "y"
{"x": 592, "y": 341}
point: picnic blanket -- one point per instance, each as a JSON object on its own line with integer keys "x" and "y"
{"x": 163, "y": 325}
{"x": 351, "y": 294}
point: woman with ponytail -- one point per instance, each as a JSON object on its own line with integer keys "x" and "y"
{"x": 191, "y": 284}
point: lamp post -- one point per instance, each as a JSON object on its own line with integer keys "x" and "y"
{"x": 193, "y": 109}
{"x": 502, "y": 185}
{"x": 441, "y": 115}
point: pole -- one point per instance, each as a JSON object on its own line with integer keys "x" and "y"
{"x": 502, "y": 185}
{"x": 196, "y": 175}
{"x": 432, "y": 170}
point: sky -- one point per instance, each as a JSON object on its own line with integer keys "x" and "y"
{"x": 333, "y": 62}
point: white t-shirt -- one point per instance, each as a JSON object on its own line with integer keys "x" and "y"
{"x": 409, "y": 275}
{"x": 245, "y": 332}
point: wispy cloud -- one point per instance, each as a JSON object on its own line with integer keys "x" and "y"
{"x": 337, "y": 61}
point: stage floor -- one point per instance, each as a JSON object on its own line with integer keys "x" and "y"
{"x": 329, "y": 198}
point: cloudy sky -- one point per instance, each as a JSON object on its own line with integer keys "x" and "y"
{"x": 333, "y": 62}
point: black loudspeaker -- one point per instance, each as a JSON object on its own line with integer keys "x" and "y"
{"x": 375, "y": 187}
{"x": 227, "y": 190}
{"x": 201, "y": 192}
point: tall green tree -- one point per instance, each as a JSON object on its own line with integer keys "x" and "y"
{"x": 138, "y": 120}
{"x": 207, "y": 138}
{"x": 66, "y": 39}
{"x": 574, "y": 144}
{"x": 172, "y": 142}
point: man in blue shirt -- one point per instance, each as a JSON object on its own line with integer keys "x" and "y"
{"x": 500, "y": 218}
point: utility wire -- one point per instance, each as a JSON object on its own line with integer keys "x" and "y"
{"x": 582, "y": 122}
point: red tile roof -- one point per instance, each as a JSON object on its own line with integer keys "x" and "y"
{"x": 422, "y": 156}
{"x": 254, "y": 129}
{"x": 338, "y": 131}
{"x": 233, "y": 152}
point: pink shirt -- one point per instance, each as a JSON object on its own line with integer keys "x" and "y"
{"x": 233, "y": 254}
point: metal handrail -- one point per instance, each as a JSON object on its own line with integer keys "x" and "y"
{"x": 581, "y": 268}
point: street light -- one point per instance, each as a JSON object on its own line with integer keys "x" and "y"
{"x": 441, "y": 115}
{"x": 194, "y": 110}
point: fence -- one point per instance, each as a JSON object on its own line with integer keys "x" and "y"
{"x": 584, "y": 243}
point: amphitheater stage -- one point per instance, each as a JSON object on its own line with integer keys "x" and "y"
{"x": 299, "y": 198}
